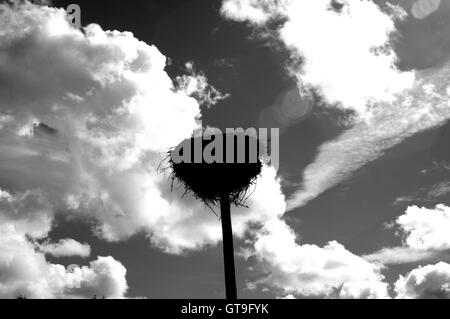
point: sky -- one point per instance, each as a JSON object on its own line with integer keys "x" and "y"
{"x": 356, "y": 209}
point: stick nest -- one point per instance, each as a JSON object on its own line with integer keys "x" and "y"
{"x": 209, "y": 181}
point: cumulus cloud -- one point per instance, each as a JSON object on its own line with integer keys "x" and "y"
{"x": 424, "y": 234}
{"x": 66, "y": 248}
{"x": 428, "y": 282}
{"x": 24, "y": 269}
{"x": 426, "y": 228}
{"x": 345, "y": 52}
{"x": 310, "y": 270}
{"x": 401, "y": 255}
{"x": 84, "y": 121}
{"x": 254, "y": 11}
{"x": 196, "y": 84}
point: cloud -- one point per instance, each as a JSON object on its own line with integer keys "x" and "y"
{"x": 401, "y": 255}
{"x": 24, "y": 269}
{"x": 421, "y": 108}
{"x": 310, "y": 270}
{"x": 87, "y": 117}
{"x": 404, "y": 199}
{"x": 287, "y": 297}
{"x": 439, "y": 189}
{"x": 428, "y": 282}
{"x": 83, "y": 128}
{"x": 66, "y": 248}
{"x": 84, "y": 122}
{"x": 426, "y": 228}
{"x": 364, "y": 290}
{"x": 196, "y": 84}
{"x": 426, "y": 194}
{"x": 104, "y": 277}
{"x": 30, "y": 212}
{"x": 424, "y": 235}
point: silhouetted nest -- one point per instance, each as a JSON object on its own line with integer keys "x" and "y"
{"x": 209, "y": 181}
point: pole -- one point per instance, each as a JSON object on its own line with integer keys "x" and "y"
{"x": 228, "y": 250}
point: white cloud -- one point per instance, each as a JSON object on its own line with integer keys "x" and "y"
{"x": 65, "y": 248}
{"x": 423, "y": 8}
{"x": 24, "y": 269}
{"x": 289, "y": 107}
{"x": 94, "y": 106}
{"x": 424, "y": 235}
{"x": 30, "y": 212}
{"x": 425, "y": 228}
{"x": 108, "y": 113}
{"x": 254, "y": 11}
{"x": 345, "y": 54}
{"x": 310, "y": 270}
{"x": 364, "y": 290}
{"x": 103, "y": 100}
{"x": 431, "y": 281}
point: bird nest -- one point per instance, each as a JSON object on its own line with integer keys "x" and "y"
{"x": 209, "y": 181}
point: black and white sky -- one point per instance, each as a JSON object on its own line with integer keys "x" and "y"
{"x": 359, "y": 90}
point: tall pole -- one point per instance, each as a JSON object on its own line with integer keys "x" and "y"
{"x": 228, "y": 250}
